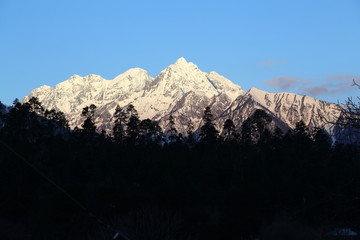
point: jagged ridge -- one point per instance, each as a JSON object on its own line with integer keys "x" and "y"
{"x": 286, "y": 109}
{"x": 181, "y": 89}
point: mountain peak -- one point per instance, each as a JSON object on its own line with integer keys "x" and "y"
{"x": 255, "y": 91}
{"x": 75, "y": 76}
{"x": 181, "y": 89}
{"x": 135, "y": 71}
{"x": 182, "y": 65}
{"x": 181, "y": 61}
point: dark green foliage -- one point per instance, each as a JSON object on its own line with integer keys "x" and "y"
{"x": 255, "y": 127}
{"x": 16, "y": 101}
{"x": 322, "y": 139}
{"x": 229, "y": 132}
{"x": 295, "y": 186}
{"x": 149, "y": 131}
{"x": 278, "y": 133}
{"x": 171, "y": 131}
{"x": 89, "y": 111}
{"x": 208, "y": 132}
{"x": 2, "y": 109}
{"x": 301, "y": 130}
{"x": 32, "y": 122}
{"x": 57, "y": 116}
{"x": 132, "y": 125}
{"x": 120, "y": 121}
{"x": 89, "y": 126}
{"x": 190, "y": 133}
{"x": 34, "y": 105}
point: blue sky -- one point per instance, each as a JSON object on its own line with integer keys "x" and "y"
{"x": 306, "y": 47}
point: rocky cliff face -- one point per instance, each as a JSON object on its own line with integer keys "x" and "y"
{"x": 286, "y": 109}
{"x": 181, "y": 89}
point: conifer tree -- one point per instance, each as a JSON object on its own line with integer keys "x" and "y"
{"x": 120, "y": 120}
{"x": 247, "y": 131}
{"x": 278, "y": 133}
{"x": 190, "y": 132}
{"x": 229, "y": 132}
{"x": 208, "y": 132}
{"x": 190, "y": 127}
{"x": 302, "y": 129}
{"x": 132, "y": 126}
{"x": 26, "y": 120}
{"x": 35, "y": 106}
{"x": 89, "y": 113}
{"x": 171, "y": 131}
{"x": 17, "y": 118}
{"x": 149, "y": 131}
{"x": 57, "y": 116}
{"x": 15, "y": 102}
{"x": 277, "y": 137}
{"x": 302, "y": 134}
{"x": 254, "y": 127}
{"x": 322, "y": 139}
{"x": 2, "y": 111}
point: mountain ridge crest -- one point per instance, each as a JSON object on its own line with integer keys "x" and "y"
{"x": 183, "y": 91}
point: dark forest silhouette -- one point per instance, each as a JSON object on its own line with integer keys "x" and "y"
{"x": 152, "y": 183}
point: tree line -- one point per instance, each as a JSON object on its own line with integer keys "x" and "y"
{"x": 157, "y": 184}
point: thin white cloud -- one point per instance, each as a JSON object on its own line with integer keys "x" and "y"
{"x": 284, "y": 83}
{"x": 331, "y": 84}
{"x": 334, "y": 83}
{"x": 317, "y": 90}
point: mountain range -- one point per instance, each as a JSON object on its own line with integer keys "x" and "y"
{"x": 183, "y": 91}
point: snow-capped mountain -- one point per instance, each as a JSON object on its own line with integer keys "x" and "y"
{"x": 286, "y": 109}
{"x": 181, "y": 89}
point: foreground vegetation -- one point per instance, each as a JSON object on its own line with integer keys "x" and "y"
{"x": 151, "y": 183}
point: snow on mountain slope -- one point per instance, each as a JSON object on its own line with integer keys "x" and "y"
{"x": 286, "y": 109}
{"x": 177, "y": 89}
{"x": 183, "y": 91}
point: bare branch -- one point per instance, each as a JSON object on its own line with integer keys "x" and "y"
{"x": 355, "y": 83}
